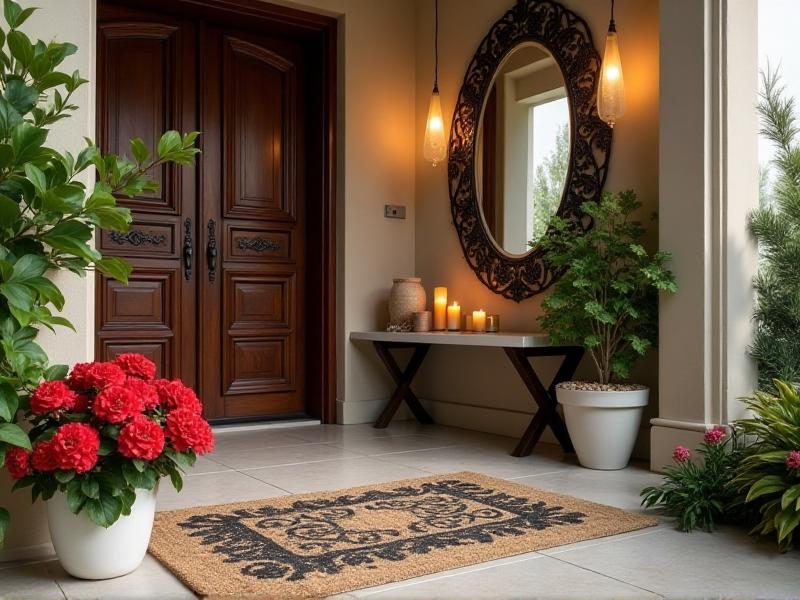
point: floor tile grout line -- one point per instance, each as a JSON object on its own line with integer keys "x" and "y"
{"x": 267, "y": 483}
{"x": 607, "y": 540}
{"x": 638, "y": 587}
{"x": 536, "y": 475}
{"x": 467, "y": 570}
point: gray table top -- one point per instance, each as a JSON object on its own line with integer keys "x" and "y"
{"x": 458, "y": 338}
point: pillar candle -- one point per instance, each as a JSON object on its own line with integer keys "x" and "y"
{"x": 466, "y": 322}
{"x": 453, "y": 317}
{"x": 440, "y": 308}
{"x": 479, "y": 321}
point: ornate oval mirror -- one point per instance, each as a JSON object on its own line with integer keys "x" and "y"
{"x": 525, "y": 143}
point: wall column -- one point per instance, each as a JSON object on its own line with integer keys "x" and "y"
{"x": 708, "y": 183}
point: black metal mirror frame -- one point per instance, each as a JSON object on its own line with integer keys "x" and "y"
{"x": 568, "y": 38}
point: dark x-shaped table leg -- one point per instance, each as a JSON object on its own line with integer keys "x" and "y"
{"x": 402, "y": 378}
{"x": 545, "y": 398}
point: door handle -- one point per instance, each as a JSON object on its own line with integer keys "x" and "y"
{"x": 187, "y": 249}
{"x": 211, "y": 250}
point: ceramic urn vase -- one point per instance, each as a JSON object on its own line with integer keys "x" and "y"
{"x": 406, "y": 298}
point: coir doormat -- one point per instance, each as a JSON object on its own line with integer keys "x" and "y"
{"x": 319, "y": 544}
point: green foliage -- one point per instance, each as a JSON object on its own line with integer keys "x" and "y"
{"x": 764, "y": 479}
{"x": 776, "y": 226}
{"x": 698, "y": 494}
{"x": 47, "y": 214}
{"x": 607, "y": 298}
{"x": 548, "y": 183}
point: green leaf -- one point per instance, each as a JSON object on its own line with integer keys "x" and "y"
{"x": 21, "y": 48}
{"x": 9, "y": 402}
{"x": 36, "y": 177}
{"x": 104, "y": 511}
{"x": 140, "y": 152}
{"x": 170, "y": 142}
{"x": 75, "y": 498}
{"x": 9, "y": 117}
{"x": 56, "y": 372}
{"x": 145, "y": 479}
{"x": 21, "y": 97}
{"x": 64, "y": 476}
{"x": 90, "y": 488}
{"x": 766, "y": 485}
{"x": 176, "y": 479}
{"x": 14, "y": 435}
{"x": 5, "y": 520}
{"x": 26, "y": 140}
{"x": 9, "y": 211}
{"x": 116, "y": 268}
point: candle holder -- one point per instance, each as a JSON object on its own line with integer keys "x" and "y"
{"x": 422, "y": 321}
{"x": 492, "y": 323}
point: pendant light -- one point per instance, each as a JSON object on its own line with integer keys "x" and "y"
{"x": 611, "y": 89}
{"x": 434, "y": 148}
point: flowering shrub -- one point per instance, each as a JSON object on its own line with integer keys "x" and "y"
{"x": 107, "y": 430}
{"x": 698, "y": 494}
{"x": 768, "y": 477}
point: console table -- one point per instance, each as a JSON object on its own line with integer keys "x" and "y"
{"x": 519, "y": 347}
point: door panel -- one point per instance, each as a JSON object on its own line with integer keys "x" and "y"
{"x": 251, "y": 91}
{"x": 230, "y": 322}
{"x": 147, "y": 80}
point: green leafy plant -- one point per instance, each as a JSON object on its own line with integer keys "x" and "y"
{"x": 776, "y": 226}
{"x": 47, "y": 214}
{"x": 698, "y": 494}
{"x": 607, "y": 297}
{"x": 768, "y": 477}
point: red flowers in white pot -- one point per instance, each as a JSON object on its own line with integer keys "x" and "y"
{"x": 101, "y": 441}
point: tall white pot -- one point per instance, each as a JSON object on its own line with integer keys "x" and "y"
{"x": 89, "y": 551}
{"x": 603, "y": 425}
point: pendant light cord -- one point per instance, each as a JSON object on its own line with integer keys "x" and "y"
{"x": 436, "y": 47}
{"x": 612, "y": 26}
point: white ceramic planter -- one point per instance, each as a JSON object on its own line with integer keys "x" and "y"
{"x": 603, "y": 425}
{"x": 89, "y": 551}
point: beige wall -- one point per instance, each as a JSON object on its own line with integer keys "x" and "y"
{"x": 77, "y": 19}
{"x": 478, "y": 388}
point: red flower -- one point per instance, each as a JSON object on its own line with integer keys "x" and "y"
{"x": 18, "y": 462}
{"x": 136, "y": 365}
{"x": 141, "y": 438}
{"x": 43, "y": 459}
{"x": 52, "y": 395}
{"x": 81, "y": 403}
{"x": 75, "y": 446}
{"x": 714, "y": 436}
{"x": 116, "y": 404}
{"x": 100, "y": 375}
{"x": 175, "y": 395}
{"x": 793, "y": 459}
{"x": 189, "y": 431}
{"x": 77, "y": 379}
{"x": 145, "y": 391}
{"x": 681, "y": 454}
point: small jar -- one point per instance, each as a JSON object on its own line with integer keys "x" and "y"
{"x": 492, "y": 323}
{"x": 422, "y": 321}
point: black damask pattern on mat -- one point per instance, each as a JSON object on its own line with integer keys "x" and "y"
{"x": 442, "y": 514}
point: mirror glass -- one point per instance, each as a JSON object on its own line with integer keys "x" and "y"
{"x": 522, "y": 150}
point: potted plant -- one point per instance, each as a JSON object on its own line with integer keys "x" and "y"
{"x": 101, "y": 440}
{"x": 606, "y": 300}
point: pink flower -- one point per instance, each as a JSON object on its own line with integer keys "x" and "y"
{"x": 681, "y": 454}
{"x": 793, "y": 459}
{"x": 715, "y": 436}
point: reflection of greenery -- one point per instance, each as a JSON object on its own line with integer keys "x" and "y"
{"x": 548, "y": 183}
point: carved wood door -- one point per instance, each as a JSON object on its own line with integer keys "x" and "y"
{"x": 252, "y": 194}
{"x": 216, "y": 295}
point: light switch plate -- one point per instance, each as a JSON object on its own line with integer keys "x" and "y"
{"x": 394, "y": 211}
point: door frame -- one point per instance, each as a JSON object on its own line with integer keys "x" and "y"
{"x": 320, "y": 33}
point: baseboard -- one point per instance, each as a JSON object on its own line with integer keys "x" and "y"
{"x": 354, "y": 412}
{"x": 663, "y": 440}
{"x": 27, "y": 553}
{"x": 222, "y": 429}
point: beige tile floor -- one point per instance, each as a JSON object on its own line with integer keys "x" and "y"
{"x": 658, "y": 562}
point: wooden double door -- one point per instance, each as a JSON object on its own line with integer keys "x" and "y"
{"x": 218, "y": 291}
